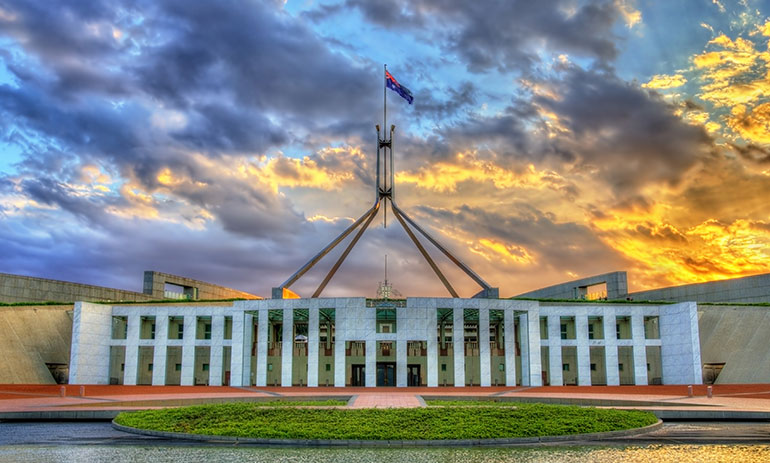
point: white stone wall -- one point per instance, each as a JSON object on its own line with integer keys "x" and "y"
{"x": 609, "y": 313}
{"x": 355, "y": 322}
{"x": 680, "y": 344}
{"x": 90, "y": 352}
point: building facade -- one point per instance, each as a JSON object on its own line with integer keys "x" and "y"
{"x": 368, "y": 342}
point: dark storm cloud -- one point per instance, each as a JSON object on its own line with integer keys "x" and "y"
{"x": 259, "y": 57}
{"x": 751, "y": 152}
{"x": 239, "y": 77}
{"x": 500, "y": 35}
{"x": 203, "y": 57}
{"x": 457, "y": 99}
{"x": 555, "y": 245}
{"x": 225, "y": 128}
{"x": 631, "y": 136}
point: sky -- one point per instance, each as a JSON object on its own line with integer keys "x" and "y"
{"x": 230, "y": 141}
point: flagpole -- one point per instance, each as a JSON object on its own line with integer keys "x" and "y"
{"x": 384, "y": 131}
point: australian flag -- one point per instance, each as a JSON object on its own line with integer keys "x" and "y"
{"x": 393, "y": 84}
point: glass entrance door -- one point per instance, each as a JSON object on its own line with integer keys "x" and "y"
{"x": 413, "y": 375}
{"x": 386, "y": 374}
{"x": 358, "y": 377}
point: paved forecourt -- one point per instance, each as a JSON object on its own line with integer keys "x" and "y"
{"x": 104, "y": 402}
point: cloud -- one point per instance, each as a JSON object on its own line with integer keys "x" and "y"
{"x": 664, "y": 81}
{"x": 490, "y": 35}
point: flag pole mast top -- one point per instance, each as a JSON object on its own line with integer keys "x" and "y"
{"x": 384, "y": 194}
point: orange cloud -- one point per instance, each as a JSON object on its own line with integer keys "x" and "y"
{"x": 751, "y": 124}
{"x": 664, "y": 81}
{"x": 445, "y": 176}
{"x": 491, "y": 250}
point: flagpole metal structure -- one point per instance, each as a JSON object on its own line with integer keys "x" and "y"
{"x": 384, "y": 189}
{"x": 385, "y": 158}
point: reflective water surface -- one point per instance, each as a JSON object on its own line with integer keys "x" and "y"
{"x": 652, "y": 453}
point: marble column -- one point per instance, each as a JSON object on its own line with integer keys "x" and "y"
{"x": 239, "y": 350}
{"x": 188, "y": 351}
{"x": 159, "y": 354}
{"x": 484, "y": 354}
{"x": 287, "y": 347}
{"x": 131, "y": 363}
{"x": 554, "y": 350}
{"x": 312, "y": 347}
{"x": 583, "y": 351}
{"x": 262, "y": 327}
{"x": 458, "y": 338}
{"x": 611, "y": 347}
{"x": 639, "y": 349}
{"x": 510, "y": 347}
{"x": 216, "y": 349}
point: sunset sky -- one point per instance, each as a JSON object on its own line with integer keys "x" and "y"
{"x": 229, "y": 141}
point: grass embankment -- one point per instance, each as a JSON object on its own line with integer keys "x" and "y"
{"x": 432, "y": 423}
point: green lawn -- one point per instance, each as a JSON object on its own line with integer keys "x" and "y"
{"x": 450, "y": 422}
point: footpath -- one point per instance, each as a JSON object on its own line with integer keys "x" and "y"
{"x": 96, "y": 402}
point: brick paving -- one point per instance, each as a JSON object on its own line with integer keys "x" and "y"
{"x": 41, "y": 398}
{"x": 376, "y": 400}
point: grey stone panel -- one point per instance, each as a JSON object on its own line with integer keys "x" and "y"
{"x": 154, "y": 283}
{"x": 737, "y": 337}
{"x": 746, "y": 290}
{"x": 617, "y": 287}
{"x": 18, "y": 288}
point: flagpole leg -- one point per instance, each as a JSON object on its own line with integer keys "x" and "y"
{"x": 384, "y": 131}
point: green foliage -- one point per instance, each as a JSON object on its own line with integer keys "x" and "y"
{"x": 431, "y": 423}
{"x": 154, "y": 302}
{"x": 21, "y": 304}
{"x": 595, "y": 301}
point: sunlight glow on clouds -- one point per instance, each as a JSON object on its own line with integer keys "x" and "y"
{"x": 244, "y": 131}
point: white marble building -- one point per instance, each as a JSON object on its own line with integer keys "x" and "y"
{"x": 393, "y": 342}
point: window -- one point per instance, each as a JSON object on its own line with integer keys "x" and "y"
{"x": 501, "y": 367}
{"x": 122, "y": 367}
{"x": 564, "y": 331}
{"x": 328, "y": 367}
{"x": 593, "y": 367}
{"x": 152, "y": 331}
{"x": 228, "y": 327}
{"x": 443, "y": 367}
{"x": 119, "y": 327}
{"x": 620, "y": 367}
{"x": 617, "y": 330}
{"x": 205, "y": 367}
{"x": 149, "y": 367}
{"x": 648, "y": 367}
{"x": 178, "y": 367}
{"x": 386, "y": 320}
{"x": 180, "y": 333}
{"x": 565, "y": 367}
{"x": 207, "y": 331}
{"x": 590, "y": 331}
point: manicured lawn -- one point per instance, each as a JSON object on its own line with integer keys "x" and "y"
{"x": 450, "y": 422}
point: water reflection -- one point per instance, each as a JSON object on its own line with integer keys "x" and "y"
{"x": 653, "y": 453}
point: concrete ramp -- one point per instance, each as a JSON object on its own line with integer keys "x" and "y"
{"x": 31, "y": 337}
{"x": 739, "y": 337}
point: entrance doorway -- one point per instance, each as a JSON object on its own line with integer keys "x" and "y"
{"x": 358, "y": 377}
{"x": 386, "y": 374}
{"x": 413, "y": 375}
